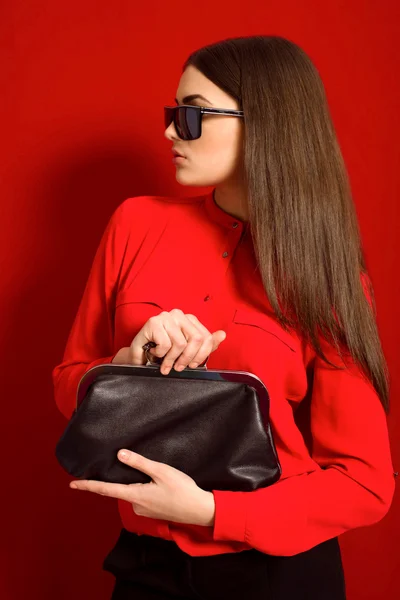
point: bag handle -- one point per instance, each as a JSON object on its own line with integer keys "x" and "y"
{"x": 156, "y": 360}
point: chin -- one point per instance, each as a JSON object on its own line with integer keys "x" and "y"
{"x": 185, "y": 178}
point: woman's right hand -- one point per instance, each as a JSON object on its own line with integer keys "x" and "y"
{"x": 178, "y": 336}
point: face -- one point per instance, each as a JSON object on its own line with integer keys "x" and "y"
{"x": 216, "y": 156}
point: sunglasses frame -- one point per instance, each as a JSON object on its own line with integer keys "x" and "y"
{"x": 201, "y": 110}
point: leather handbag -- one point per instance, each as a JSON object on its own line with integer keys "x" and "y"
{"x": 211, "y": 424}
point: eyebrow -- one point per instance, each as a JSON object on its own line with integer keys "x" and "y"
{"x": 188, "y": 99}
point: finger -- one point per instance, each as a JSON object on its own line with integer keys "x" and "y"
{"x": 112, "y": 490}
{"x": 195, "y": 335}
{"x": 211, "y": 341}
{"x": 217, "y": 337}
{"x": 195, "y": 355}
{"x": 152, "y": 331}
{"x": 182, "y": 333}
{"x": 137, "y": 461}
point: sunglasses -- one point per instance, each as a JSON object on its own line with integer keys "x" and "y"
{"x": 187, "y": 119}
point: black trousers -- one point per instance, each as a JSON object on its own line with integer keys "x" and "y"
{"x": 150, "y": 568}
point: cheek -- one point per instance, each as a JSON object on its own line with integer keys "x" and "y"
{"x": 215, "y": 156}
{"x": 221, "y": 145}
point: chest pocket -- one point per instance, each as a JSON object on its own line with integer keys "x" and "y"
{"x": 263, "y": 347}
{"x": 267, "y": 325}
{"x": 133, "y": 309}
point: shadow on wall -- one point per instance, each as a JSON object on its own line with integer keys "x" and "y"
{"x": 58, "y": 538}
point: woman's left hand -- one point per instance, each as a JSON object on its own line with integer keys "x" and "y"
{"x": 171, "y": 495}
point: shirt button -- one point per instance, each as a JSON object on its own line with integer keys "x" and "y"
{"x": 225, "y": 254}
{"x": 234, "y": 225}
{"x": 206, "y": 298}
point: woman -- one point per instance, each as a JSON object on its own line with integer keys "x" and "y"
{"x": 266, "y": 274}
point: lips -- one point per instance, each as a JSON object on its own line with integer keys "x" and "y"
{"x": 176, "y": 153}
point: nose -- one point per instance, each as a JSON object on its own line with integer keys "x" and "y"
{"x": 170, "y": 132}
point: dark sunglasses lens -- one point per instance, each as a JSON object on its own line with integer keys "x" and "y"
{"x": 191, "y": 118}
{"x": 187, "y": 121}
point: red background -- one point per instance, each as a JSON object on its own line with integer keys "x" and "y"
{"x": 82, "y": 90}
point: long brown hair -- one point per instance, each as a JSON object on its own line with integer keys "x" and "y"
{"x": 303, "y": 221}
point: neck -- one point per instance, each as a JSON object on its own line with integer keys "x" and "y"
{"x": 232, "y": 199}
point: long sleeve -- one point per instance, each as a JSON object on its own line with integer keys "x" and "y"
{"x": 352, "y": 484}
{"x": 90, "y": 340}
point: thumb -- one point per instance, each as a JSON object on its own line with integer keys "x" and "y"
{"x": 140, "y": 462}
{"x": 219, "y": 336}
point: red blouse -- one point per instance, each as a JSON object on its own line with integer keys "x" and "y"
{"x": 159, "y": 253}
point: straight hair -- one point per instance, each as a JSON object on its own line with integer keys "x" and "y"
{"x": 303, "y": 220}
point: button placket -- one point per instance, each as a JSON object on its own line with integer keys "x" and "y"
{"x": 235, "y": 225}
{"x": 227, "y": 254}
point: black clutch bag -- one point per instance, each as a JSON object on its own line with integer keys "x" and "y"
{"x": 213, "y": 425}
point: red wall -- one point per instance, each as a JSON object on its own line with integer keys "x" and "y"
{"x": 82, "y": 90}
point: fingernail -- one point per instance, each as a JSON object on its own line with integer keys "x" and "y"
{"x": 73, "y": 486}
{"x": 123, "y": 454}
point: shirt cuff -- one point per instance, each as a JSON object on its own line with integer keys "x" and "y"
{"x": 230, "y": 516}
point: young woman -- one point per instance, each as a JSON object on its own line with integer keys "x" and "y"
{"x": 266, "y": 274}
